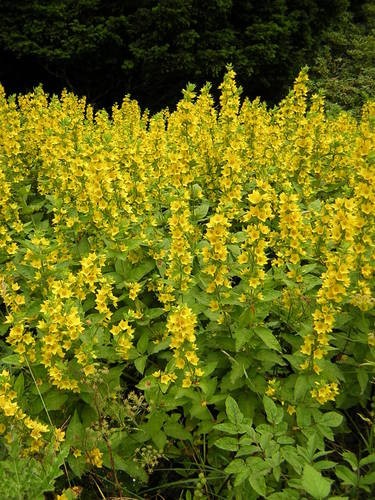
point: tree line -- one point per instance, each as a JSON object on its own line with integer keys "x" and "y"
{"x": 151, "y": 49}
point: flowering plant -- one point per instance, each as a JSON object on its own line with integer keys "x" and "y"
{"x": 193, "y": 281}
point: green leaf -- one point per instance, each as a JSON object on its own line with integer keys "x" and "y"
{"x": 201, "y": 211}
{"x": 351, "y": 459}
{"x": 227, "y": 443}
{"x": 274, "y": 416}
{"x": 368, "y": 479}
{"x": 362, "y": 377}
{"x": 138, "y": 272}
{"x": 284, "y": 439}
{"x": 239, "y": 367}
{"x": 362, "y": 323}
{"x": 155, "y": 347}
{"x": 314, "y": 483}
{"x": 12, "y": 359}
{"x": 155, "y": 423}
{"x": 346, "y": 475}
{"x": 83, "y": 246}
{"x": 19, "y": 385}
{"x": 258, "y": 483}
{"x": 308, "y": 268}
{"x": 127, "y": 465}
{"x": 200, "y": 412}
{"x": 75, "y": 431}
{"x": 143, "y": 343}
{"x": 233, "y": 412}
{"x": 235, "y": 467}
{"x": 370, "y": 459}
{"x": 287, "y": 494}
{"x": 267, "y": 337}
{"x": 118, "y": 438}
{"x": 303, "y": 416}
{"x": 177, "y": 431}
{"x": 77, "y": 464}
{"x": 228, "y": 428}
{"x": 291, "y": 456}
{"x": 153, "y": 313}
{"x": 276, "y": 473}
{"x": 188, "y": 495}
{"x": 3, "y": 328}
{"x": 269, "y": 295}
{"x": 242, "y": 336}
{"x": 112, "y": 379}
{"x": 208, "y": 386}
{"x": 325, "y": 464}
{"x": 209, "y": 368}
{"x": 247, "y": 450}
{"x": 160, "y": 440}
{"x": 315, "y": 206}
{"x": 140, "y": 364}
{"x": 258, "y": 465}
{"x": 326, "y": 431}
{"x": 331, "y": 419}
{"x": 302, "y": 385}
{"x": 241, "y": 477}
{"x": 54, "y": 400}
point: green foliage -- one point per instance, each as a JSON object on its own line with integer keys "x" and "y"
{"x": 344, "y": 68}
{"x": 30, "y": 477}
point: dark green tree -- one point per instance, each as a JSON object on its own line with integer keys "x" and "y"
{"x": 151, "y": 49}
{"x": 77, "y": 44}
{"x": 345, "y": 66}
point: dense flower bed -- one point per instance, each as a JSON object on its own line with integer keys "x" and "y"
{"x": 189, "y": 291}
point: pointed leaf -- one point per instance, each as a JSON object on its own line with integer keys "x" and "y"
{"x": 227, "y": 443}
{"x": 346, "y": 475}
{"x": 266, "y": 335}
{"x": 314, "y": 483}
{"x": 233, "y": 412}
{"x": 258, "y": 483}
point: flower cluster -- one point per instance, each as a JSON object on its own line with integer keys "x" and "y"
{"x": 17, "y": 422}
{"x": 325, "y": 392}
{"x": 181, "y": 325}
{"x": 240, "y": 234}
{"x": 180, "y": 256}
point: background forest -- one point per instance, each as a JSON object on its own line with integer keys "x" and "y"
{"x": 152, "y": 49}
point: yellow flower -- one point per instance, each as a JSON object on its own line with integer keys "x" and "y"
{"x": 255, "y": 197}
{"x": 325, "y": 392}
{"x": 270, "y": 391}
{"x": 186, "y": 381}
{"x": 89, "y": 370}
{"x": 291, "y": 410}
{"x": 134, "y": 289}
{"x": 95, "y": 457}
{"x": 59, "y": 435}
{"x": 243, "y": 258}
{"x": 180, "y": 363}
{"x": 192, "y": 357}
{"x": 214, "y": 305}
{"x": 271, "y": 388}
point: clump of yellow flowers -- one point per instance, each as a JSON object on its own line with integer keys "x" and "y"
{"x": 15, "y": 424}
{"x": 181, "y": 228}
